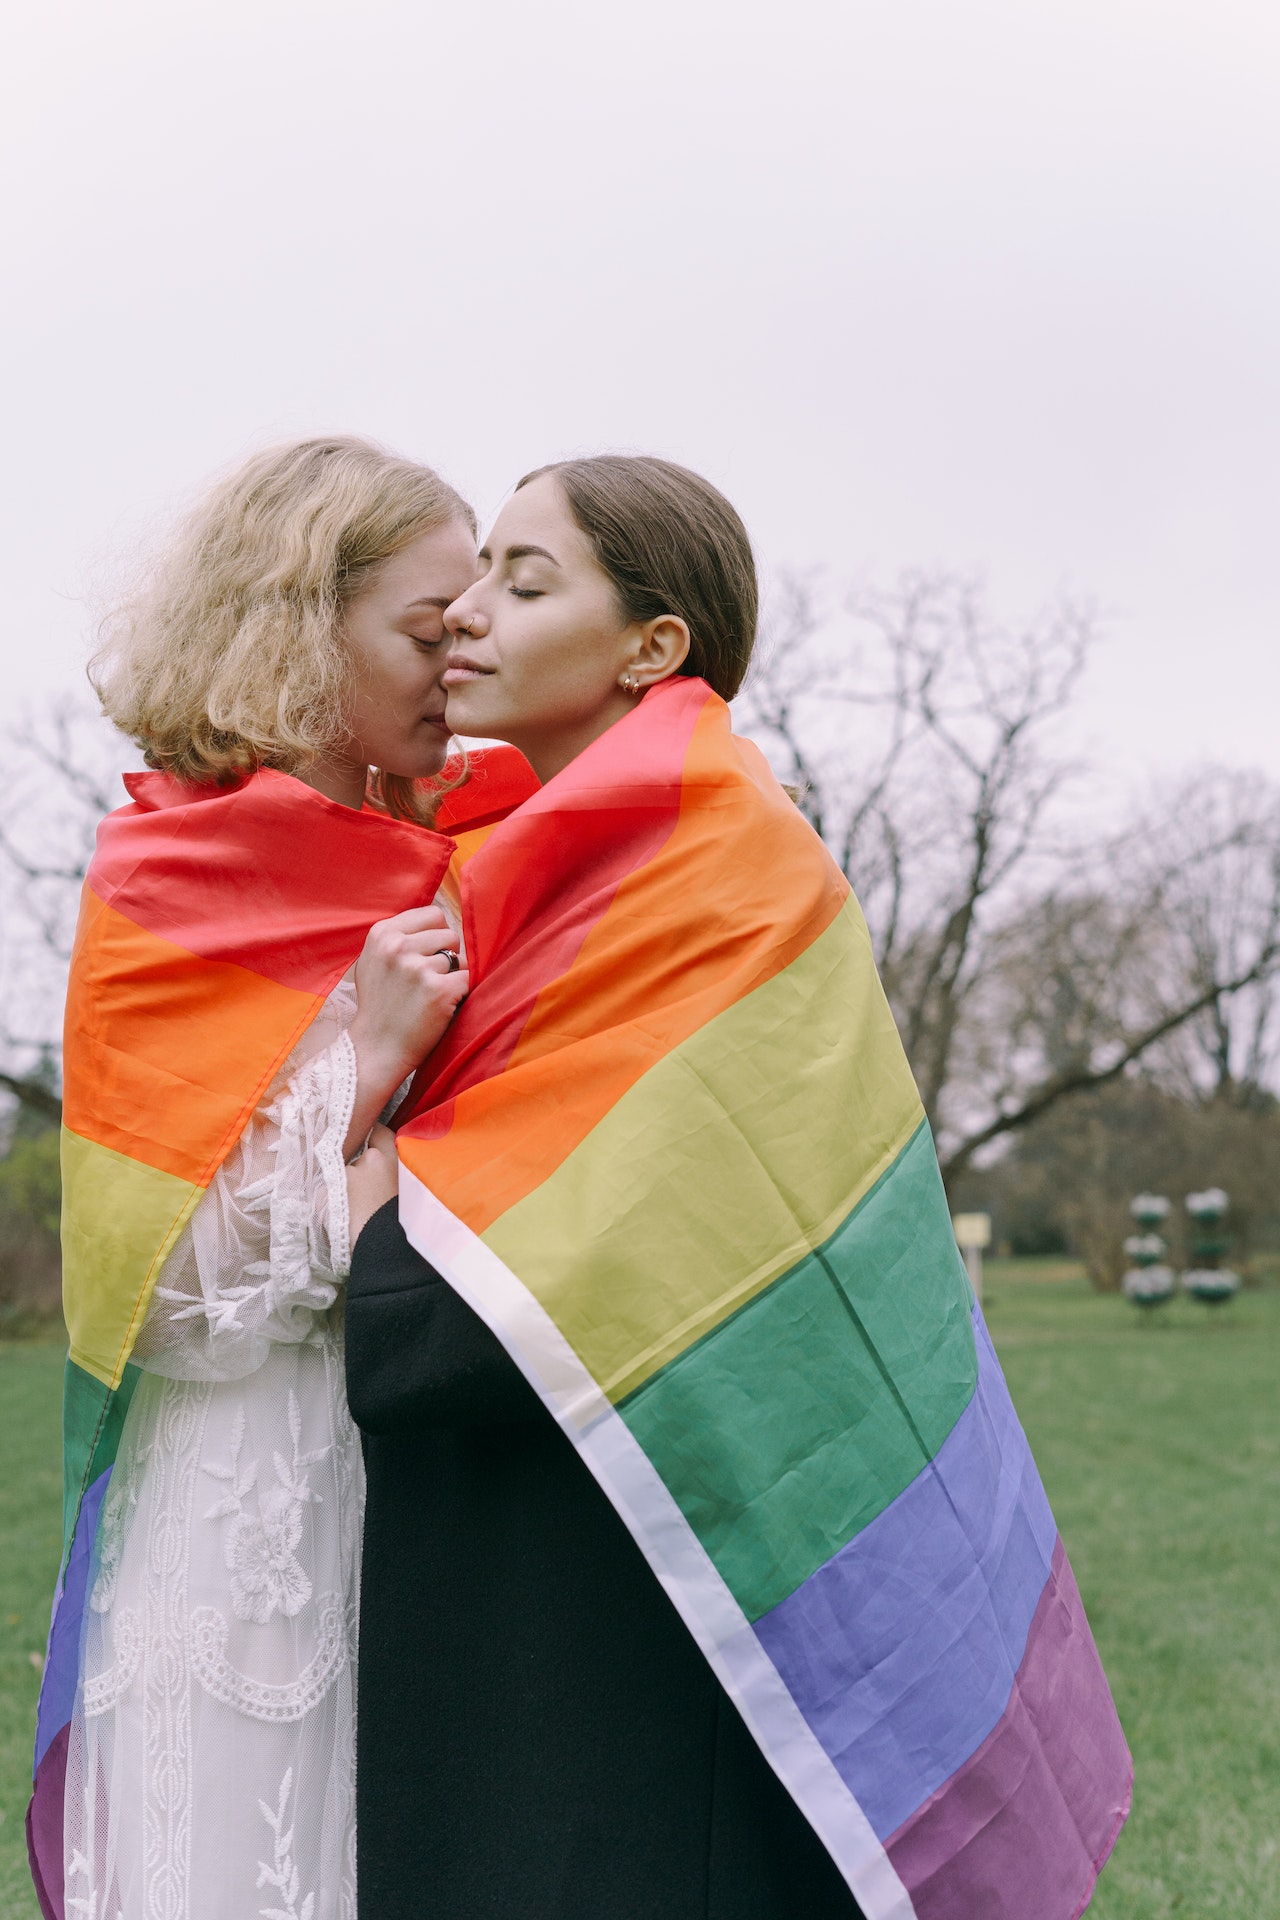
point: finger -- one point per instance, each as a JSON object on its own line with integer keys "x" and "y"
{"x": 414, "y": 920}
{"x": 441, "y": 962}
{"x": 430, "y": 973}
{"x": 429, "y": 966}
{"x": 381, "y": 1139}
{"x": 435, "y": 940}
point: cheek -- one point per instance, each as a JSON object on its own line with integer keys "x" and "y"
{"x": 403, "y": 675}
{"x": 562, "y": 668}
{"x": 425, "y": 670}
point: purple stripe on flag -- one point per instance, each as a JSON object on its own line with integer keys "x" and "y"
{"x": 57, "y": 1703}
{"x": 45, "y": 1828}
{"x": 901, "y": 1651}
{"x": 62, "y": 1662}
{"x": 1020, "y": 1832}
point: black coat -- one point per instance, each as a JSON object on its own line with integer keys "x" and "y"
{"x": 539, "y": 1736}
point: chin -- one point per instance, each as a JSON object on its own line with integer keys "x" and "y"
{"x": 429, "y": 772}
{"x": 424, "y": 764}
{"x": 466, "y": 715}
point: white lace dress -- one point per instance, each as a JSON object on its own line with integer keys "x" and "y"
{"x": 212, "y": 1762}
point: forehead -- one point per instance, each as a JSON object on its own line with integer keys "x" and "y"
{"x": 538, "y": 515}
{"x": 440, "y": 561}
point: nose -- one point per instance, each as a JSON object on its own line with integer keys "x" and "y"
{"x": 465, "y": 621}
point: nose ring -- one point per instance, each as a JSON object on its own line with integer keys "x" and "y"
{"x": 471, "y": 622}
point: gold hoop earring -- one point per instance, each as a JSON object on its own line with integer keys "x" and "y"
{"x": 629, "y": 683}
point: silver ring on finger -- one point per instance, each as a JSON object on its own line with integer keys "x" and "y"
{"x": 451, "y": 960}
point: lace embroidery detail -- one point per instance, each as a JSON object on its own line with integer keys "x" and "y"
{"x": 262, "y": 1699}
{"x": 342, "y": 1100}
{"x": 117, "y": 1511}
{"x": 255, "y": 1264}
{"x": 348, "y": 1460}
{"x": 222, "y": 1312}
{"x": 260, "y": 1551}
{"x": 281, "y": 1872}
{"x": 166, "y": 1728}
{"x": 177, "y": 1736}
{"x": 326, "y": 1085}
{"x": 102, "y": 1692}
{"x": 87, "y": 1904}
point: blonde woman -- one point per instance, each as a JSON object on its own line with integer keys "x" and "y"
{"x": 289, "y": 643}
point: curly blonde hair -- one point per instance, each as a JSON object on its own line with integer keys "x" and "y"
{"x": 229, "y": 654}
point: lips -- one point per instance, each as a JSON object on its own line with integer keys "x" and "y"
{"x": 460, "y": 670}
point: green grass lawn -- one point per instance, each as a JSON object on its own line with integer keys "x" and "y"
{"x": 1159, "y": 1443}
{"x": 1160, "y": 1446}
{"x": 30, "y": 1530}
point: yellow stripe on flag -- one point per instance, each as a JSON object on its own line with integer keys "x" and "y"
{"x": 120, "y": 1219}
{"x": 663, "y": 1221}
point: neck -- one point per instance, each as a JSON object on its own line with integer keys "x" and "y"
{"x": 342, "y": 780}
{"x": 548, "y": 755}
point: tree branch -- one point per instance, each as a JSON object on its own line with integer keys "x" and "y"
{"x": 1077, "y": 1080}
{"x": 32, "y": 1094}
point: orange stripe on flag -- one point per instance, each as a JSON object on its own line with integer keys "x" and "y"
{"x": 167, "y": 1053}
{"x": 632, "y": 993}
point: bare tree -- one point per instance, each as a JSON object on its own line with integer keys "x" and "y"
{"x": 1128, "y": 1001}
{"x": 1220, "y": 835}
{"x": 61, "y": 774}
{"x": 1023, "y": 963}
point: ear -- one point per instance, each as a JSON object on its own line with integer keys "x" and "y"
{"x": 660, "y": 649}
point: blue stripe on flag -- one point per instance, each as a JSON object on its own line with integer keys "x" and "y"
{"x": 901, "y": 1651}
{"x": 62, "y": 1662}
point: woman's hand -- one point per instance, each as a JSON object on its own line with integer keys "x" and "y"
{"x": 406, "y": 995}
{"x": 372, "y": 1180}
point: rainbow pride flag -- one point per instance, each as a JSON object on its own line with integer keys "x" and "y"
{"x": 214, "y": 925}
{"x": 672, "y": 1153}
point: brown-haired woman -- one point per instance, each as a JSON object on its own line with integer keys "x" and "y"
{"x": 292, "y": 626}
{"x": 540, "y": 1737}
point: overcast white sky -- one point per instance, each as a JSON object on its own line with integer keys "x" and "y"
{"x": 991, "y": 283}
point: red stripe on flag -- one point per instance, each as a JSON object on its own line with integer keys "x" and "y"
{"x": 269, "y": 875}
{"x": 608, "y": 813}
{"x": 499, "y": 780}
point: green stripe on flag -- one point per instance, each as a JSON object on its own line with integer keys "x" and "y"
{"x": 92, "y": 1419}
{"x": 793, "y": 1424}
{"x": 723, "y": 1166}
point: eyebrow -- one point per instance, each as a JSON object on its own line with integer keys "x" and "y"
{"x": 521, "y": 553}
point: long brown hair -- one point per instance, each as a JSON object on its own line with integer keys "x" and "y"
{"x": 671, "y": 543}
